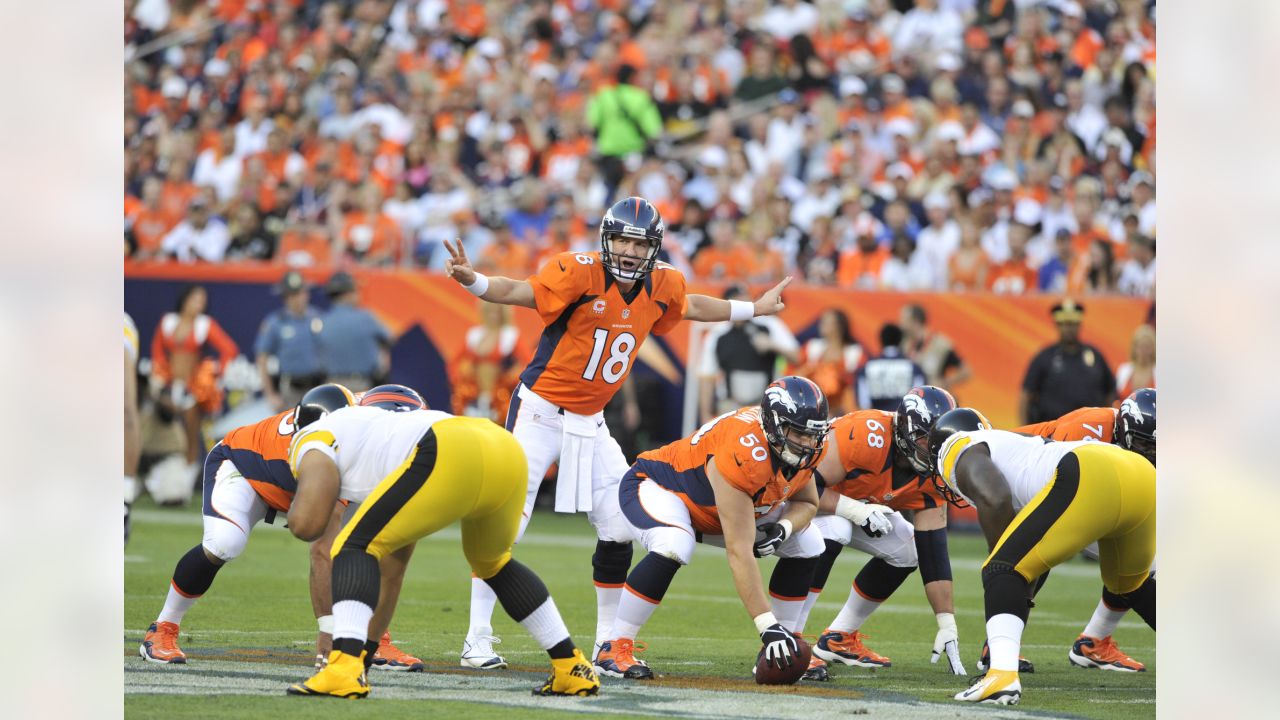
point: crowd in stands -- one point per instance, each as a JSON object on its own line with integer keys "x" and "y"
{"x": 963, "y": 145}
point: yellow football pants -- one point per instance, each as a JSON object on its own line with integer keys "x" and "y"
{"x": 1099, "y": 492}
{"x": 466, "y": 469}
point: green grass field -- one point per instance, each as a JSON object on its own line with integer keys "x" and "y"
{"x": 254, "y": 633}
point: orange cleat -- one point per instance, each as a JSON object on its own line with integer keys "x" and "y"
{"x": 617, "y": 659}
{"x": 1090, "y": 652}
{"x": 847, "y": 648}
{"x": 161, "y": 645}
{"x": 390, "y": 657}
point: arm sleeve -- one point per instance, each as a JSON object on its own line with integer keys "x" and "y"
{"x": 676, "y": 300}
{"x": 559, "y": 284}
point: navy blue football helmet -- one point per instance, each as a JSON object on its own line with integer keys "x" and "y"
{"x": 1136, "y": 424}
{"x": 633, "y": 217}
{"x": 794, "y": 415}
{"x": 396, "y": 398}
{"x": 320, "y": 401}
{"x": 918, "y": 410}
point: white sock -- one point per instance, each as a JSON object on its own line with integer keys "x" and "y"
{"x": 1104, "y": 621}
{"x": 545, "y": 625}
{"x": 483, "y": 601}
{"x": 176, "y": 606}
{"x": 1004, "y": 637}
{"x": 856, "y": 610}
{"x": 787, "y": 610}
{"x": 607, "y": 599}
{"x": 351, "y": 620}
{"x": 633, "y": 612}
{"x": 805, "y": 609}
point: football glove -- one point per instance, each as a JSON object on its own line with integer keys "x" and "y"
{"x": 780, "y": 646}
{"x": 873, "y": 519}
{"x": 774, "y": 535}
{"x": 947, "y": 642}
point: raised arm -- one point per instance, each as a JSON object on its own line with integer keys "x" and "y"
{"x": 704, "y": 308}
{"x": 501, "y": 290}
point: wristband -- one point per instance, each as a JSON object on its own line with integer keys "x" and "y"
{"x": 480, "y": 286}
{"x": 764, "y": 621}
{"x": 325, "y": 623}
{"x": 787, "y": 529}
{"x": 946, "y": 621}
{"x": 741, "y": 310}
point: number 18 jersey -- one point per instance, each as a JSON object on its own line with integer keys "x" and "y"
{"x": 593, "y": 330}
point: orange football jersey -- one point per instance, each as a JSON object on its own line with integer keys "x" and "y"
{"x": 1090, "y": 423}
{"x": 735, "y": 443}
{"x": 864, "y": 440}
{"x": 593, "y": 330}
{"x": 261, "y": 453}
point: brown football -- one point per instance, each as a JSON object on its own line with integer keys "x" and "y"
{"x": 767, "y": 674}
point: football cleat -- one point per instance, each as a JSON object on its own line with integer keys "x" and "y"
{"x": 1089, "y": 652}
{"x": 570, "y": 676}
{"x": 343, "y": 677}
{"x": 984, "y": 661}
{"x": 390, "y": 657}
{"x": 617, "y": 659}
{"x": 161, "y": 645}
{"x": 817, "y": 671}
{"x": 997, "y": 687}
{"x": 478, "y": 653}
{"x": 847, "y": 648}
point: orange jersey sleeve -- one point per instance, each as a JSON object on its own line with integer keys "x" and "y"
{"x": 1091, "y": 423}
{"x": 669, "y": 292}
{"x": 560, "y": 283}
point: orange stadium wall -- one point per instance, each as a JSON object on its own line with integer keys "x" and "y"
{"x": 996, "y": 335}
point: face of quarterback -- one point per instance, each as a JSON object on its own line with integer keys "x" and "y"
{"x": 629, "y": 252}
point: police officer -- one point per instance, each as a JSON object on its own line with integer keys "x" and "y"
{"x": 1068, "y": 374}
{"x": 882, "y": 381}
{"x": 357, "y": 346}
{"x": 292, "y": 336}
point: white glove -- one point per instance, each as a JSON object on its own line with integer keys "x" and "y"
{"x": 948, "y": 641}
{"x": 873, "y": 519}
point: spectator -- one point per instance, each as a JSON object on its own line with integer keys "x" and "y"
{"x": 149, "y": 225}
{"x": 969, "y": 265}
{"x": 1100, "y": 273}
{"x": 487, "y": 370}
{"x": 249, "y": 240}
{"x": 1139, "y": 371}
{"x": 290, "y": 337}
{"x": 1142, "y": 192}
{"x": 760, "y": 263}
{"x": 1138, "y": 273}
{"x": 625, "y": 119}
{"x": 720, "y": 260}
{"x": 762, "y": 78}
{"x": 831, "y": 359}
{"x": 1054, "y": 276}
{"x": 905, "y": 269}
{"x": 199, "y": 237}
{"x": 860, "y": 267}
{"x": 369, "y": 235}
{"x": 786, "y": 19}
{"x": 883, "y": 379}
{"x": 357, "y": 346}
{"x": 739, "y": 359}
{"x": 926, "y": 31}
{"x": 1014, "y": 276}
{"x": 939, "y": 239}
{"x": 931, "y": 350}
{"x": 1066, "y": 375}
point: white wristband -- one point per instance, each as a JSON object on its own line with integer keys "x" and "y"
{"x": 740, "y": 310}
{"x": 325, "y": 623}
{"x": 787, "y": 529}
{"x": 479, "y": 286}
{"x": 946, "y": 621}
{"x": 764, "y": 621}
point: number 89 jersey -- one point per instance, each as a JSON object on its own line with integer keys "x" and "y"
{"x": 593, "y": 330}
{"x": 864, "y": 441}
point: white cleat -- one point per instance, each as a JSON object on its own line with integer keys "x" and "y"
{"x": 478, "y": 653}
{"x": 997, "y": 687}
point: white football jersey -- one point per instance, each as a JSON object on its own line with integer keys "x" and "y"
{"x": 367, "y": 443}
{"x": 1027, "y": 463}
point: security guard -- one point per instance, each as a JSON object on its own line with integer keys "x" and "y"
{"x": 292, "y": 336}
{"x": 357, "y": 346}
{"x": 1068, "y": 374}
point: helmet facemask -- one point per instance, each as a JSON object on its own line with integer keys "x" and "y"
{"x": 913, "y": 442}
{"x": 612, "y": 260}
{"x": 797, "y": 446}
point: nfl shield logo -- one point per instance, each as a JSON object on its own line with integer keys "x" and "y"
{"x": 626, "y": 313}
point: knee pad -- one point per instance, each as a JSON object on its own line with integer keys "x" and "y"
{"x": 223, "y": 540}
{"x": 610, "y": 562}
{"x": 670, "y": 542}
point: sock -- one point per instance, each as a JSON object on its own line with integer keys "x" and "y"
{"x": 525, "y": 598}
{"x": 806, "y": 608}
{"x": 876, "y": 581}
{"x": 789, "y": 588}
{"x": 1104, "y": 620}
{"x": 370, "y": 649}
{"x": 856, "y": 610}
{"x": 562, "y": 650}
{"x": 643, "y": 592}
{"x": 548, "y": 628}
{"x": 356, "y": 582}
{"x": 1004, "y": 637}
{"x": 351, "y": 626}
{"x": 483, "y": 601}
{"x": 609, "y": 565}
{"x": 826, "y": 561}
{"x": 192, "y": 578}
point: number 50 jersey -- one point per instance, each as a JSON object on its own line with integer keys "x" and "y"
{"x": 593, "y": 329}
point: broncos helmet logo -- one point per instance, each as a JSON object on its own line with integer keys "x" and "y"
{"x": 915, "y": 403}
{"x": 1129, "y": 409}
{"x": 779, "y": 394}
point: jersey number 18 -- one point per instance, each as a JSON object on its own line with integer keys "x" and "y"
{"x": 619, "y": 356}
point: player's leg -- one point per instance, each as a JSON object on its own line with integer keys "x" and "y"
{"x": 893, "y": 559}
{"x": 537, "y": 430}
{"x": 790, "y": 585}
{"x": 388, "y": 656}
{"x": 836, "y": 532}
{"x": 1127, "y": 554}
{"x": 487, "y": 536}
{"x": 612, "y": 557}
{"x": 231, "y": 509}
{"x": 661, "y": 521}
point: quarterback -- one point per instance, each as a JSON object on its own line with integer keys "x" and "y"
{"x": 597, "y": 309}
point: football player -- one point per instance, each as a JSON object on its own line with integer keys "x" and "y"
{"x": 247, "y": 480}
{"x": 597, "y": 309}
{"x": 743, "y": 482}
{"x": 1039, "y": 503}
{"x": 414, "y": 473}
{"x": 876, "y": 466}
{"x": 1132, "y": 427}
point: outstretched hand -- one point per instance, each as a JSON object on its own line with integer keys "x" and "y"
{"x": 771, "y": 303}
{"x": 457, "y": 266}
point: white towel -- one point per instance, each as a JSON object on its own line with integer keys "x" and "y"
{"x": 577, "y": 448}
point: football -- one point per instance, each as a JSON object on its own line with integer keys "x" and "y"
{"x": 767, "y": 674}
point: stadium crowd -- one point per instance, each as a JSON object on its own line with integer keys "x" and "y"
{"x": 1002, "y": 145}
